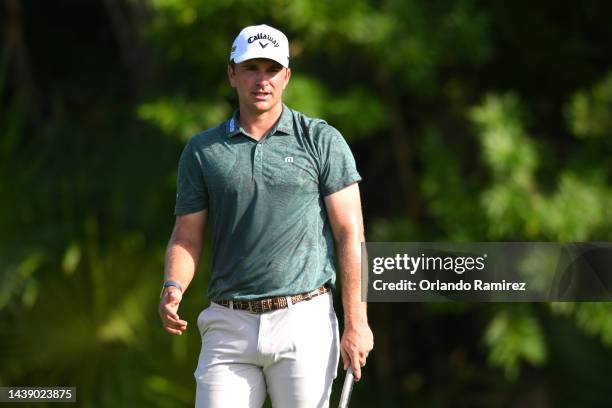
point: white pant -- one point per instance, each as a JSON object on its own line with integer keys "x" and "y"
{"x": 291, "y": 353}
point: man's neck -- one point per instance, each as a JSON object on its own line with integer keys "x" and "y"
{"x": 258, "y": 124}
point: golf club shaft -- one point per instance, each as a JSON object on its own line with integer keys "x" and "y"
{"x": 347, "y": 388}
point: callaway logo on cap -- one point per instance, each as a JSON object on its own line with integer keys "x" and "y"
{"x": 260, "y": 41}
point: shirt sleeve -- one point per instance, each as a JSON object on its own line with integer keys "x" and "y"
{"x": 337, "y": 164}
{"x": 191, "y": 191}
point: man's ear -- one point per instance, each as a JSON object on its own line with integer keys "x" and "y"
{"x": 287, "y": 77}
{"x": 231, "y": 75}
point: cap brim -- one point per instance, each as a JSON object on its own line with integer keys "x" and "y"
{"x": 254, "y": 55}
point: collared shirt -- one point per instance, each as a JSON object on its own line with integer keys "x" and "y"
{"x": 271, "y": 234}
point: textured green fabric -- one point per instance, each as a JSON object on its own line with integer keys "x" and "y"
{"x": 271, "y": 235}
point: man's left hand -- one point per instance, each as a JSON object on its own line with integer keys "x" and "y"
{"x": 356, "y": 343}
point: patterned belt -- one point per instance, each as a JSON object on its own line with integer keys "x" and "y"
{"x": 273, "y": 303}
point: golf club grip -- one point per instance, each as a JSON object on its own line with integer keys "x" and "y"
{"x": 347, "y": 388}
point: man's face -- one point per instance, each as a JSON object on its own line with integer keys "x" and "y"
{"x": 259, "y": 82}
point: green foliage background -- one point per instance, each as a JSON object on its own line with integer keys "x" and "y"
{"x": 470, "y": 121}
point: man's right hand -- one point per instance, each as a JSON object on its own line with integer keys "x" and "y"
{"x": 168, "y": 308}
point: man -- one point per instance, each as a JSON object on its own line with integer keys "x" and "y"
{"x": 280, "y": 192}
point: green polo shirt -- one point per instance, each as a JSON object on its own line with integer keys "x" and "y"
{"x": 271, "y": 234}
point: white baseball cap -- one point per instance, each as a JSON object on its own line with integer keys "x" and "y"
{"x": 261, "y": 41}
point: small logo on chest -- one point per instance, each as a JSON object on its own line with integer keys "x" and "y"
{"x": 289, "y": 159}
